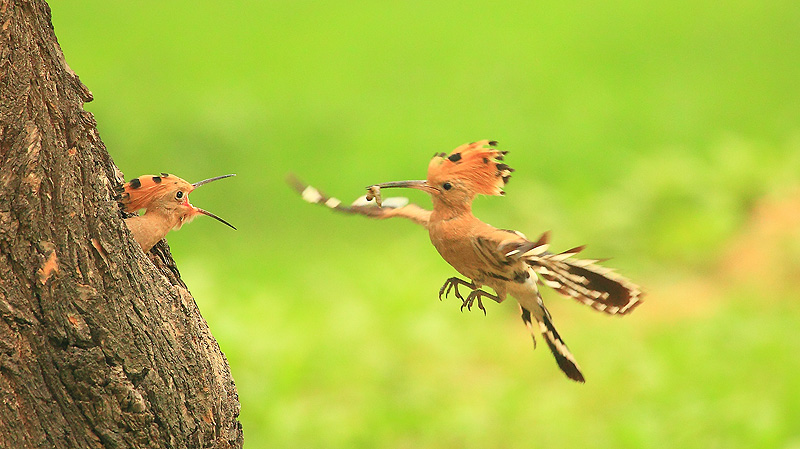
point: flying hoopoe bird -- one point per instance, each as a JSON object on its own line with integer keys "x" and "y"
{"x": 504, "y": 260}
{"x": 165, "y": 199}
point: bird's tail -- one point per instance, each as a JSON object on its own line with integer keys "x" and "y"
{"x": 563, "y": 356}
{"x": 581, "y": 279}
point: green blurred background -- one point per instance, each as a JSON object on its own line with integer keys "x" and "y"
{"x": 666, "y": 135}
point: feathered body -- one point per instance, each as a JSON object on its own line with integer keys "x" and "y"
{"x": 504, "y": 260}
{"x": 165, "y": 199}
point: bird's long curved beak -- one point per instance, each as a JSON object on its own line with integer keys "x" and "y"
{"x": 374, "y": 191}
{"x": 419, "y": 185}
{"x": 206, "y": 181}
{"x": 205, "y": 212}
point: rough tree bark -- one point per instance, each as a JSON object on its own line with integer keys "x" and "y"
{"x": 100, "y": 344}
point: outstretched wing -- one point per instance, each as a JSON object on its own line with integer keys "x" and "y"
{"x": 391, "y": 207}
{"x": 582, "y": 279}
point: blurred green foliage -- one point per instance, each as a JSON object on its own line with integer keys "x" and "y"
{"x": 647, "y": 130}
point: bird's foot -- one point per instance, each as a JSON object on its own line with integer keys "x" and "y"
{"x": 475, "y": 293}
{"x": 452, "y": 284}
{"x": 475, "y": 296}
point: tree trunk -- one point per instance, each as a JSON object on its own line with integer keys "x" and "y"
{"x": 100, "y": 344}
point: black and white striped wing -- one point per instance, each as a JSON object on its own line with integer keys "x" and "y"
{"x": 390, "y": 207}
{"x": 582, "y": 279}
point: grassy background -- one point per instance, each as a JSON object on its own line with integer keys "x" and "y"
{"x": 664, "y": 134}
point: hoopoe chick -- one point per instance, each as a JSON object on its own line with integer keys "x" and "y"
{"x": 165, "y": 199}
{"x": 504, "y": 260}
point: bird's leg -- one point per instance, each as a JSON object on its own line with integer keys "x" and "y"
{"x": 476, "y": 295}
{"x": 452, "y": 284}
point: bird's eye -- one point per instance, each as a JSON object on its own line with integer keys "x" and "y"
{"x": 447, "y": 186}
{"x": 179, "y": 195}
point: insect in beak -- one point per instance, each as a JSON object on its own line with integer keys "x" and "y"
{"x": 374, "y": 191}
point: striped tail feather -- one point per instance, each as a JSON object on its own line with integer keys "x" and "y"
{"x": 564, "y": 358}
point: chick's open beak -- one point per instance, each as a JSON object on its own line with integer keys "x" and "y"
{"x": 205, "y": 212}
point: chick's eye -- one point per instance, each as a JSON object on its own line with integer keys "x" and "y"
{"x": 179, "y": 195}
{"x": 447, "y": 186}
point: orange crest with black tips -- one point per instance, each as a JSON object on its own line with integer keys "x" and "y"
{"x": 479, "y": 165}
{"x": 139, "y": 192}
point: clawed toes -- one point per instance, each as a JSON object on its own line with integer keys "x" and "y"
{"x": 445, "y": 290}
{"x": 480, "y": 306}
{"x": 471, "y": 300}
{"x": 466, "y": 303}
{"x": 474, "y": 294}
